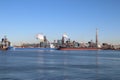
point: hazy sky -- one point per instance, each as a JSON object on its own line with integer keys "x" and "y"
{"x": 21, "y": 20}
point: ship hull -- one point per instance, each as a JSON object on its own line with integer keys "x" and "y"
{"x": 47, "y": 48}
{"x": 35, "y": 49}
{"x": 78, "y": 48}
{"x": 3, "y": 48}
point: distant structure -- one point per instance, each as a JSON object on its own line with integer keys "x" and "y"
{"x": 64, "y": 38}
{"x": 97, "y": 38}
{"x": 44, "y": 43}
{"x": 43, "y": 40}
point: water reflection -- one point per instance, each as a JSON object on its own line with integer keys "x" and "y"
{"x": 65, "y": 62}
{"x": 66, "y": 66}
{"x": 59, "y": 65}
{"x": 97, "y": 65}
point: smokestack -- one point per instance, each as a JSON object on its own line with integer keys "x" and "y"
{"x": 63, "y": 40}
{"x": 96, "y": 37}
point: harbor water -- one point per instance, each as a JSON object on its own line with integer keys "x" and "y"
{"x": 36, "y": 64}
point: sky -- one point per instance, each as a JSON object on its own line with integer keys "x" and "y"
{"x": 22, "y": 20}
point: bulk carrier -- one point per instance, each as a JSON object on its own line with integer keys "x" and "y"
{"x": 68, "y": 45}
{"x": 65, "y": 48}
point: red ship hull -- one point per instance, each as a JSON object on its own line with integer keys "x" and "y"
{"x": 78, "y": 48}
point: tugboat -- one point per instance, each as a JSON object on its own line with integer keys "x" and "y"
{"x": 4, "y": 44}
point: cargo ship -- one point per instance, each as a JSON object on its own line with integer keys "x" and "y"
{"x": 66, "y": 44}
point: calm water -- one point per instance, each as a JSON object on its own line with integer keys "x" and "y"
{"x": 34, "y": 64}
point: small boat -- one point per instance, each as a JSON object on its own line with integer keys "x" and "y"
{"x": 5, "y": 44}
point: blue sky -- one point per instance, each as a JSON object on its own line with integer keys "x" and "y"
{"x": 21, "y": 20}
